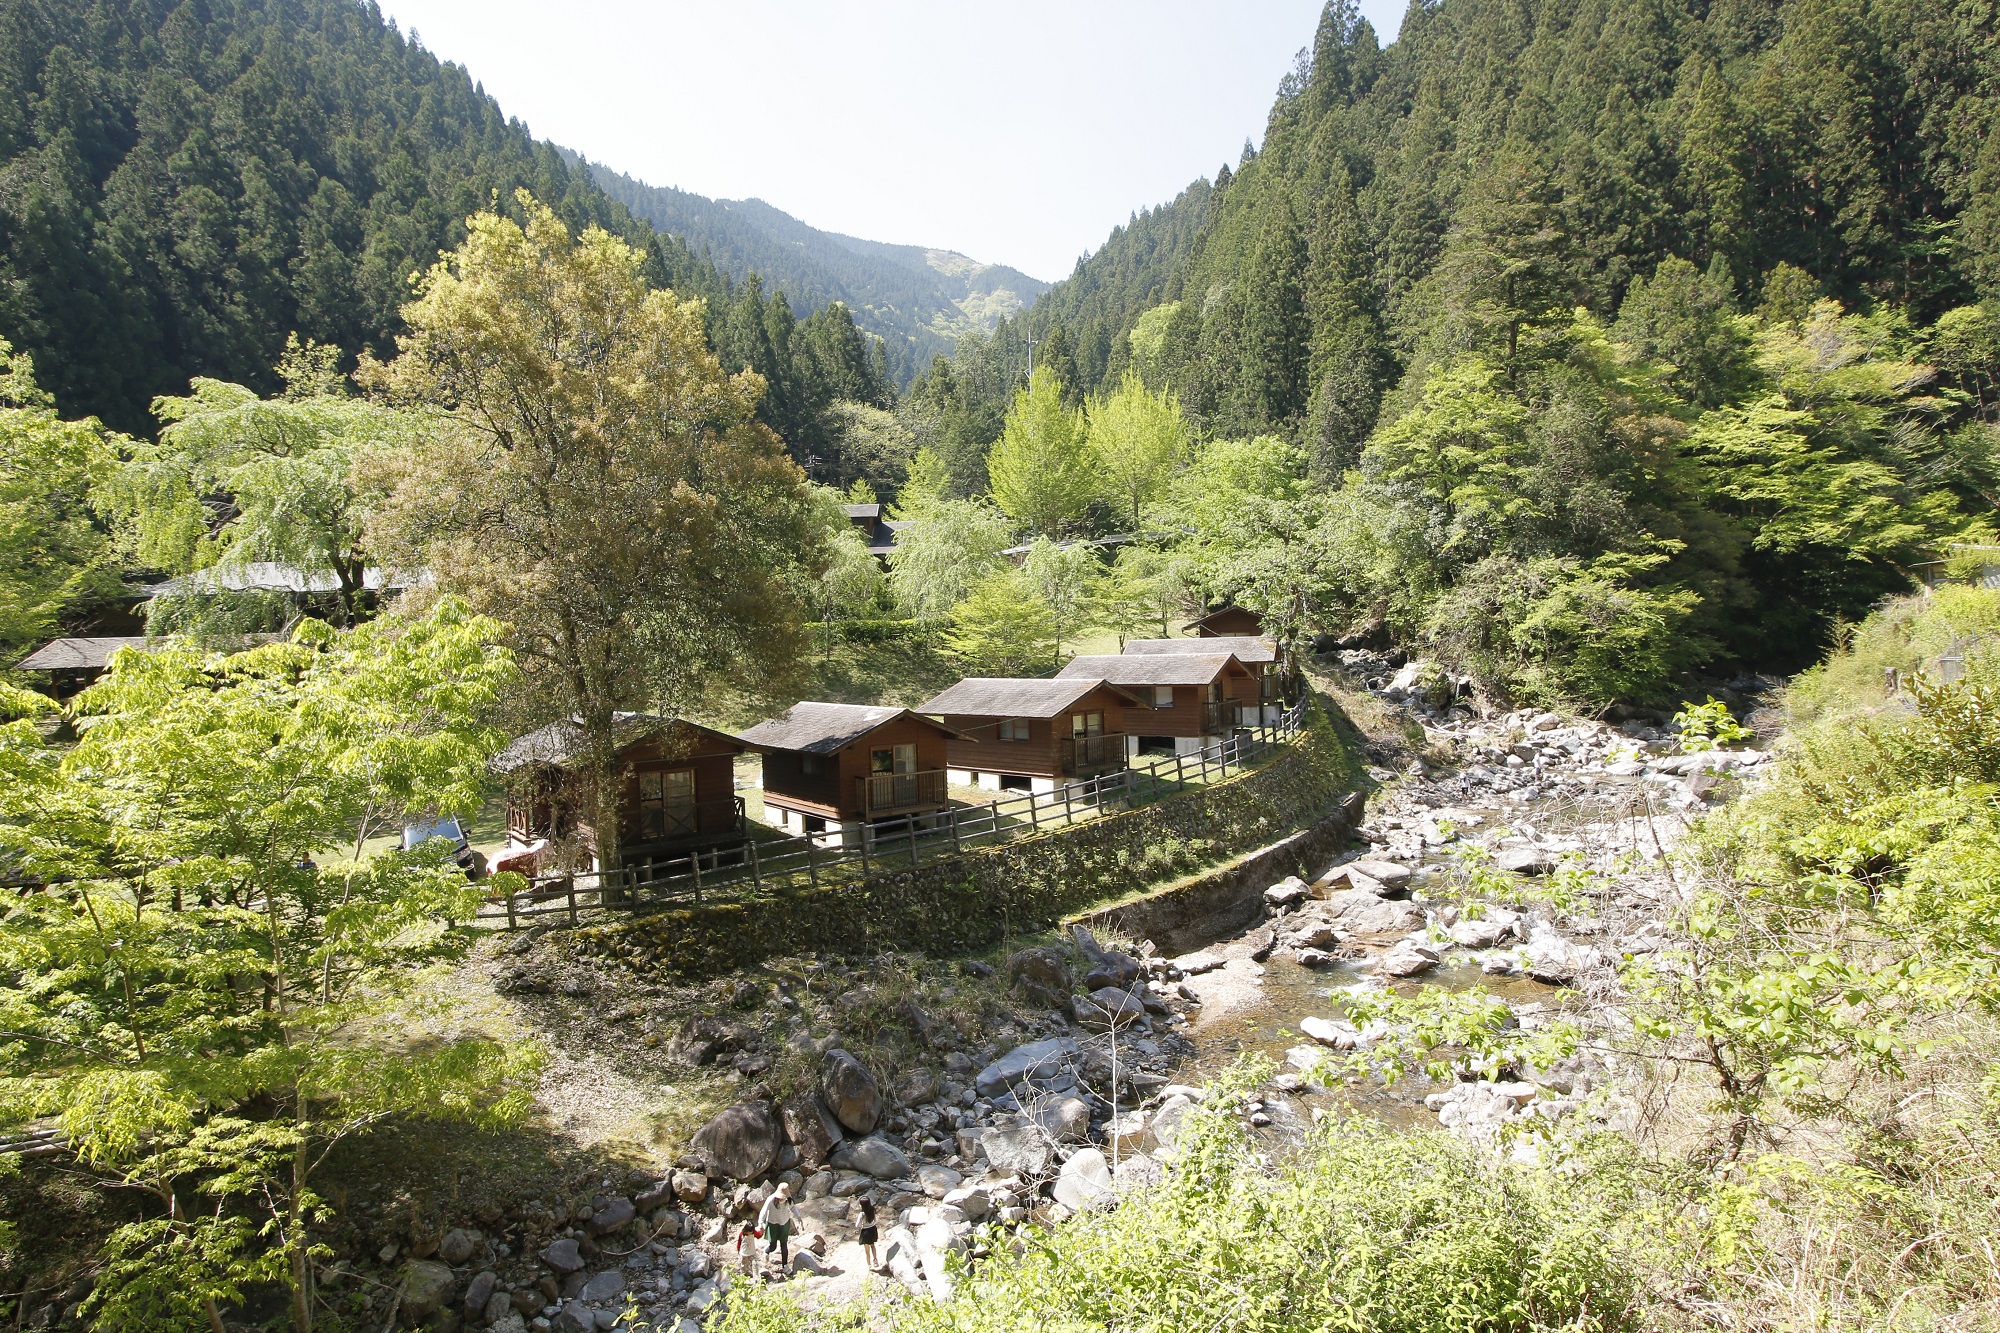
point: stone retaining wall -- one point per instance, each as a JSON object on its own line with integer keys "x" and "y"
{"x": 976, "y": 900}
{"x": 1189, "y": 913}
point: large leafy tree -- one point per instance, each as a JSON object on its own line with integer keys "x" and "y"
{"x": 235, "y": 478}
{"x": 1137, "y": 437}
{"x": 1041, "y": 470}
{"x": 596, "y": 482}
{"x": 943, "y": 549}
{"x": 213, "y": 979}
{"x": 54, "y": 556}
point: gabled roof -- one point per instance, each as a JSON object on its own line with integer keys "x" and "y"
{"x": 820, "y": 728}
{"x": 1249, "y": 649}
{"x": 272, "y": 576}
{"x": 1228, "y": 609}
{"x": 870, "y": 512}
{"x": 1001, "y": 696}
{"x": 81, "y": 654}
{"x": 562, "y": 743}
{"x": 1156, "y": 669}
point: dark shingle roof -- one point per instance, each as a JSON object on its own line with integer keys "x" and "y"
{"x": 1248, "y": 649}
{"x": 1157, "y": 669}
{"x": 999, "y": 696}
{"x": 562, "y": 743}
{"x": 82, "y": 654}
{"x": 819, "y": 728}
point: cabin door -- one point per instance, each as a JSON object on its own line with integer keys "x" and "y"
{"x": 666, "y": 805}
{"x": 893, "y": 776}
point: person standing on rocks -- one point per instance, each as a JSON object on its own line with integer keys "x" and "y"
{"x": 774, "y": 1224}
{"x": 746, "y": 1248}
{"x": 869, "y": 1236}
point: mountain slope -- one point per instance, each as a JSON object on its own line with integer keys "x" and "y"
{"x": 918, "y": 300}
{"x": 182, "y": 185}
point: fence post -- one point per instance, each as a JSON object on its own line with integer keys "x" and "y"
{"x": 510, "y": 910}
{"x": 867, "y": 832}
{"x": 569, "y": 885}
{"x": 812, "y": 866}
{"x": 913, "y": 840}
{"x": 1069, "y": 810}
{"x": 951, "y": 814}
{"x": 756, "y": 871}
{"x": 695, "y": 861}
{"x": 1034, "y": 812}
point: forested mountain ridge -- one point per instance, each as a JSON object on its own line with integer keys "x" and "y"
{"x": 918, "y": 300}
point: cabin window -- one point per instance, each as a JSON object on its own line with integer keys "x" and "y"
{"x": 1163, "y": 696}
{"x": 1014, "y": 729}
{"x": 666, "y": 804}
{"x": 893, "y": 759}
{"x": 809, "y": 765}
{"x": 1086, "y": 724}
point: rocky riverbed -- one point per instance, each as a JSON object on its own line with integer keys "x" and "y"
{"x": 1521, "y": 852}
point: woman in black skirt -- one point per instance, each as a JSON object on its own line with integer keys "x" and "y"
{"x": 868, "y": 1236}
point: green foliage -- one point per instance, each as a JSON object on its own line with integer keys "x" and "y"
{"x": 945, "y": 549}
{"x": 1365, "y": 1228}
{"x": 1709, "y": 725}
{"x": 1041, "y": 469}
{"x": 1448, "y": 1033}
{"x": 214, "y": 979}
{"x": 1137, "y": 439}
{"x": 1005, "y": 626}
{"x": 54, "y": 558}
{"x": 1067, "y": 579}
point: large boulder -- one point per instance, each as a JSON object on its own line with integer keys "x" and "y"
{"x": 1042, "y": 978}
{"x": 1024, "y": 1152}
{"x": 427, "y": 1286}
{"x": 1085, "y": 1180}
{"x": 1523, "y": 861}
{"x": 615, "y": 1213}
{"x": 1332, "y": 1035}
{"x": 741, "y": 1142}
{"x": 851, "y": 1092}
{"x": 1405, "y": 960}
{"x": 1110, "y": 1007}
{"x": 872, "y": 1156}
{"x": 1063, "y": 1119}
{"x": 1484, "y": 932}
{"x": 811, "y": 1128}
{"x": 1044, "y": 1064}
{"x": 1368, "y": 914}
{"x": 562, "y": 1255}
{"x": 706, "y": 1036}
{"x": 1165, "y": 1126}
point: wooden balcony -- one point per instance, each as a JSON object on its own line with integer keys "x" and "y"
{"x": 696, "y": 823}
{"x": 1087, "y": 756}
{"x": 901, "y": 793}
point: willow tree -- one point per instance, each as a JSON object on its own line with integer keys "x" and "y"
{"x": 595, "y": 481}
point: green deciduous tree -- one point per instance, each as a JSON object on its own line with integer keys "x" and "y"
{"x": 943, "y": 549}
{"x": 54, "y": 556}
{"x": 1137, "y": 437}
{"x": 1067, "y": 578}
{"x": 596, "y": 482}
{"x": 1004, "y": 626}
{"x": 213, "y": 980}
{"x": 1041, "y": 470}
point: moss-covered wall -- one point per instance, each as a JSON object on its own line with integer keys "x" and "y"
{"x": 975, "y": 900}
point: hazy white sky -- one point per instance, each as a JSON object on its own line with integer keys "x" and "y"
{"x": 1017, "y": 133}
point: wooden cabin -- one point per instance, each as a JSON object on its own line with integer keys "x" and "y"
{"x": 842, "y": 766}
{"x": 74, "y": 664}
{"x": 1032, "y": 735}
{"x": 1228, "y": 622}
{"x": 678, "y": 792}
{"x": 876, "y": 531}
{"x": 1265, "y": 657}
{"x": 1188, "y": 700}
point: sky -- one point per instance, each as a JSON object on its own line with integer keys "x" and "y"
{"x": 1016, "y": 133}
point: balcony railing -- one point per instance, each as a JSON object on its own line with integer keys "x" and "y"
{"x": 690, "y": 821}
{"x": 1085, "y": 755}
{"x": 889, "y": 793}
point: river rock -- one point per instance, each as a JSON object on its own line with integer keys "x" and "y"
{"x": 1085, "y": 1180}
{"x": 1044, "y": 1063}
{"x": 1195, "y": 964}
{"x": 741, "y": 1142}
{"x": 1555, "y": 961}
{"x": 1405, "y": 960}
{"x": 562, "y": 1256}
{"x": 1334, "y": 1036}
{"x": 455, "y": 1247}
{"x": 1313, "y": 935}
{"x": 427, "y": 1286}
{"x": 851, "y": 1092}
{"x": 690, "y": 1186}
{"x": 918, "y": 1088}
{"x": 1484, "y": 932}
{"x": 1042, "y": 978}
{"x": 706, "y": 1036}
{"x": 478, "y": 1292}
{"x": 872, "y": 1156}
{"x": 1111, "y": 1007}
{"x": 938, "y": 1181}
{"x": 1523, "y": 861}
{"x": 1024, "y": 1152}
{"x": 1261, "y": 941}
{"x": 1165, "y": 1126}
{"x": 1287, "y": 892}
{"x": 1063, "y": 1119}
{"x": 811, "y": 1128}
{"x": 1367, "y": 914}
{"x": 604, "y": 1286}
{"x": 1390, "y": 875}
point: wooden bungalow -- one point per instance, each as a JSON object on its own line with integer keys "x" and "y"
{"x": 842, "y": 766}
{"x": 1189, "y": 700}
{"x": 74, "y": 663}
{"x": 878, "y": 532}
{"x": 1266, "y": 659}
{"x": 1228, "y": 622}
{"x": 678, "y": 793}
{"x": 1032, "y": 735}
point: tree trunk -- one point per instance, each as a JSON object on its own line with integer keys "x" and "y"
{"x": 295, "y": 1235}
{"x": 607, "y": 799}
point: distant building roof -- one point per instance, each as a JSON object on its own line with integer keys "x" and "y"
{"x": 870, "y": 512}
{"x": 562, "y": 744}
{"x": 272, "y": 576}
{"x": 821, "y": 728}
{"x": 1249, "y": 649}
{"x": 1153, "y": 669}
{"x": 81, "y": 654}
{"x": 1000, "y": 696}
{"x": 1227, "y": 615}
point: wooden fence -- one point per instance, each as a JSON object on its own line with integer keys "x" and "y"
{"x": 762, "y": 866}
